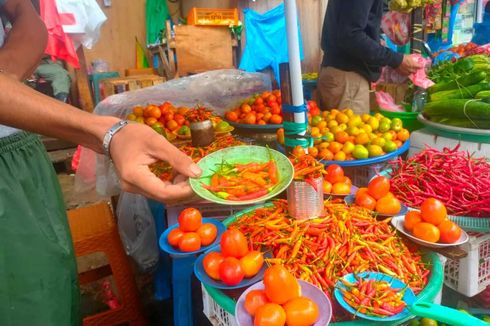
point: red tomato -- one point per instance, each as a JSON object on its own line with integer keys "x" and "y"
{"x": 298, "y": 151}
{"x": 366, "y": 201}
{"x": 179, "y": 118}
{"x": 411, "y": 218}
{"x": 280, "y": 285}
{"x": 233, "y": 244}
{"x": 433, "y": 211}
{"x": 254, "y": 300}
{"x": 190, "y": 241}
{"x": 388, "y": 205}
{"x": 379, "y": 187}
{"x": 190, "y": 219}
{"x": 301, "y": 312}
{"x": 275, "y": 119}
{"x": 211, "y": 263}
{"x": 207, "y": 232}
{"x": 270, "y": 314}
{"x": 230, "y": 271}
{"x": 450, "y": 231}
{"x": 252, "y": 263}
{"x": 174, "y": 237}
{"x": 335, "y": 174}
{"x": 168, "y": 116}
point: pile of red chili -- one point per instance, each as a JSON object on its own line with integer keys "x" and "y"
{"x": 307, "y": 168}
{"x": 198, "y": 114}
{"x": 459, "y": 180}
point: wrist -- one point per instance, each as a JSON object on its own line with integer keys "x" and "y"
{"x": 98, "y": 130}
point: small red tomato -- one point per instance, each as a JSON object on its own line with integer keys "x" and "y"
{"x": 230, "y": 271}
{"x": 234, "y": 244}
{"x": 190, "y": 219}
{"x": 335, "y": 174}
{"x": 189, "y": 242}
{"x": 174, "y": 237}
{"x": 207, "y": 232}
{"x": 211, "y": 263}
{"x": 254, "y": 300}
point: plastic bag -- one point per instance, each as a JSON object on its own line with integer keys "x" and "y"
{"x": 219, "y": 90}
{"x": 396, "y": 26}
{"x": 386, "y": 102}
{"x": 419, "y": 78}
{"x": 137, "y": 230}
{"x": 391, "y": 76}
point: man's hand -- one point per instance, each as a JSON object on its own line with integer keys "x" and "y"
{"x": 409, "y": 65}
{"x": 134, "y": 148}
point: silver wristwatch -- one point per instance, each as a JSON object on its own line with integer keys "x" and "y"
{"x": 106, "y": 143}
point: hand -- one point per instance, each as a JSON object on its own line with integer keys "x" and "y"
{"x": 409, "y": 65}
{"x": 134, "y": 148}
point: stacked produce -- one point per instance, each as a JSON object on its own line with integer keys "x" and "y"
{"x": 408, "y": 5}
{"x": 348, "y": 239}
{"x": 466, "y": 49}
{"x": 335, "y": 182}
{"x": 377, "y": 197}
{"x": 260, "y": 109}
{"x": 191, "y": 233}
{"x": 456, "y": 178}
{"x": 343, "y": 135}
{"x": 461, "y": 94}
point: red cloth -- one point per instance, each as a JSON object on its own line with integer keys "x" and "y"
{"x": 60, "y": 46}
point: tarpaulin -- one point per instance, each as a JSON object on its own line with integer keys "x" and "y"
{"x": 156, "y": 16}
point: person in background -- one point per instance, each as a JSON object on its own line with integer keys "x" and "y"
{"x": 54, "y": 72}
{"x": 38, "y": 275}
{"x": 482, "y": 30}
{"x": 353, "y": 54}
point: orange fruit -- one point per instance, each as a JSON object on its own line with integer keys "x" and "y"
{"x": 403, "y": 135}
{"x": 362, "y": 139}
{"x": 325, "y": 154}
{"x": 412, "y": 218}
{"x": 426, "y": 232}
{"x": 341, "y": 136}
{"x": 335, "y": 147}
{"x": 433, "y": 211}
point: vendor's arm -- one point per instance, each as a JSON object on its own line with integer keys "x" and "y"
{"x": 28, "y": 37}
{"x": 133, "y": 148}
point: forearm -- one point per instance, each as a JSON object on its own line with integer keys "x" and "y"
{"x": 371, "y": 52}
{"x": 29, "y": 110}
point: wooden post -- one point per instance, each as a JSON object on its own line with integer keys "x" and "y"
{"x": 286, "y": 94}
{"x": 417, "y": 36}
{"x": 83, "y": 84}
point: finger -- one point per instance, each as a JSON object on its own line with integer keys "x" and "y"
{"x": 178, "y": 160}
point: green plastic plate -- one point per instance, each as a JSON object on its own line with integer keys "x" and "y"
{"x": 242, "y": 155}
{"x": 466, "y": 134}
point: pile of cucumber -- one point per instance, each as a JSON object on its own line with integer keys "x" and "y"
{"x": 461, "y": 95}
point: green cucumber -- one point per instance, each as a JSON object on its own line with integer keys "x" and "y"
{"x": 464, "y": 65}
{"x": 482, "y": 94}
{"x": 461, "y": 93}
{"x": 466, "y": 80}
{"x": 458, "y": 108}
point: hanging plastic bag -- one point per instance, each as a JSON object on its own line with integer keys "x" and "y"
{"x": 396, "y": 26}
{"x": 419, "y": 78}
{"x": 137, "y": 230}
{"x": 386, "y": 102}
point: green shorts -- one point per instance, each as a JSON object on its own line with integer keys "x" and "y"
{"x": 38, "y": 274}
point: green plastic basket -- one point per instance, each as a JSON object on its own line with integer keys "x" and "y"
{"x": 429, "y": 293}
{"x": 409, "y": 119}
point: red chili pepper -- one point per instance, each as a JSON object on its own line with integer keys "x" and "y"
{"x": 253, "y": 195}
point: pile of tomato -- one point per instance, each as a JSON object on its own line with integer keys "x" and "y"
{"x": 160, "y": 117}
{"x": 377, "y": 197}
{"x": 235, "y": 261}
{"x": 260, "y": 109}
{"x": 191, "y": 233}
{"x": 335, "y": 182}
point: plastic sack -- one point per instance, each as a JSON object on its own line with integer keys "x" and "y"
{"x": 391, "y": 76}
{"x": 396, "y": 26}
{"x": 419, "y": 78}
{"x": 386, "y": 102}
{"x": 137, "y": 230}
{"x": 219, "y": 90}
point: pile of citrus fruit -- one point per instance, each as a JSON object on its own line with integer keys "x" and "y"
{"x": 343, "y": 135}
{"x": 431, "y": 223}
{"x": 191, "y": 233}
{"x": 377, "y": 197}
{"x": 260, "y": 109}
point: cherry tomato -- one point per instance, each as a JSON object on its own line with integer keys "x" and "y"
{"x": 327, "y": 187}
{"x": 298, "y": 151}
{"x": 230, "y": 271}
{"x": 301, "y": 312}
{"x": 174, "y": 237}
{"x": 190, "y": 219}
{"x": 366, "y": 201}
{"x": 379, "y": 187}
{"x": 189, "y": 242}
{"x": 211, "y": 263}
{"x": 433, "y": 211}
{"x": 280, "y": 285}
{"x": 207, "y": 232}
{"x": 270, "y": 314}
{"x": 412, "y": 218}
{"x": 450, "y": 231}
{"x": 252, "y": 263}
{"x": 254, "y": 300}
{"x": 426, "y": 232}
{"x": 388, "y": 205}
{"x": 234, "y": 244}
{"x": 335, "y": 174}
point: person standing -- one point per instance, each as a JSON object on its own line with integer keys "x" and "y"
{"x": 353, "y": 54}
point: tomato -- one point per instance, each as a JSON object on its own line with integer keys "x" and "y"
{"x": 138, "y": 111}
{"x": 154, "y": 112}
{"x": 325, "y": 154}
{"x": 450, "y": 231}
{"x": 341, "y": 188}
{"x": 230, "y": 271}
{"x": 341, "y": 136}
{"x": 301, "y": 312}
{"x": 245, "y": 108}
{"x": 335, "y": 174}
{"x": 270, "y": 314}
{"x": 366, "y": 201}
{"x": 426, "y": 232}
{"x": 254, "y": 300}
{"x": 231, "y": 116}
{"x": 190, "y": 219}
{"x": 250, "y": 119}
{"x": 280, "y": 135}
{"x": 275, "y": 119}
{"x": 433, "y": 211}
{"x": 252, "y": 263}
{"x": 168, "y": 116}
{"x": 259, "y": 101}
{"x": 190, "y": 241}
{"x": 207, "y": 232}
{"x": 234, "y": 244}
{"x": 298, "y": 151}
{"x": 275, "y": 109}
{"x": 172, "y": 125}
{"x": 313, "y": 151}
{"x": 379, "y": 187}
{"x": 327, "y": 187}
{"x": 174, "y": 237}
{"x": 388, "y": 205}
{"x": 347, "y": 180}
{"x": 150, "y": 121}
{"x": 211, "y": 263}
{"x": 412, "y": 218}
{"x": 179, "y": 118}
{"x": 280, "y": 285}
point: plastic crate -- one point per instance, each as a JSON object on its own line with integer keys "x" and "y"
{"x": 216, "y": 315}
{"x": 470, "y": 275}
{"x": 213, "y": 17}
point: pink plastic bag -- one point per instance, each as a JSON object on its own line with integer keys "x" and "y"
{"x": 386, "y": 102}
{"x": 396, "y": 26}
{"x": 419, "y": 78}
